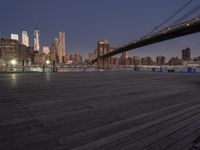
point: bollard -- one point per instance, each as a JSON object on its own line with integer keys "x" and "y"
{"x": 23, "y": 66}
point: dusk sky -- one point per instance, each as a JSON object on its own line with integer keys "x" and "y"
{"x": 87, "y": 21}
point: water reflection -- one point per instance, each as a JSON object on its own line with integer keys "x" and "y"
{"x": 48, "y": 76}
{"x": 13, "y": 80}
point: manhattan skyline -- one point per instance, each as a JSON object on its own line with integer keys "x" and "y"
{"x": 86, "y": 22}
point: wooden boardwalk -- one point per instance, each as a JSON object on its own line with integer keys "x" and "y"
{"x": 100, "y": 111}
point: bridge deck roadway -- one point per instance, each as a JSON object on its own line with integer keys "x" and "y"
{"x": 100, "y": 111}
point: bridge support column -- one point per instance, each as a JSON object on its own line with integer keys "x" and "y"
{"x": 102, "y": 63}
{"x": 106, "y": 63}
{"x": 98, "y": 60}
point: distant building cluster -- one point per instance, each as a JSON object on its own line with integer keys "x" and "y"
{"x": 56, "y": 53}
{"x": 21, "y": 51}
{"x": 58, "y": 49}
{"x": 103, "y": 47}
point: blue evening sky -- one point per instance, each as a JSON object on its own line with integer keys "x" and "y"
{"x": 87, "y": 21}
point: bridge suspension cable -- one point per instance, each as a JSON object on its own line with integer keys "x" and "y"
{"x": 188, "y": 14}
{"x": 168, "y": 19}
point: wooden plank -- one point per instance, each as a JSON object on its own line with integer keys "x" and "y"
{"x": 128, "y": 132}
{"x": 98, "y": 110}
{"x": 87, "y": 136}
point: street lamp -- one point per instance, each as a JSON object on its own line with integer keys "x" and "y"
{"x": 13, "y": 62}
{"x": 47, "y": 62}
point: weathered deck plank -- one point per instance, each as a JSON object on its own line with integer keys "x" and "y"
{"x": 99, "y": 110}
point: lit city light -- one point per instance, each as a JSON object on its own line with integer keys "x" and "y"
{"x": 47, "y": 62}
{"x": 13, "y": 62}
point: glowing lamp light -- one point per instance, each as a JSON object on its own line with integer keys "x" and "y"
{"x": 47, "y": 62}
{"x": 13, "y": 62}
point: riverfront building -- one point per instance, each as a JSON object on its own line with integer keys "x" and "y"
{"x": 147, "y": 61}
{"x": 76, "y": 58}
{"x": 136, "y": 60}
{"x": 13, "y": 50}
{"x": 45, "y": 50}
{"x": 160, "y": 60}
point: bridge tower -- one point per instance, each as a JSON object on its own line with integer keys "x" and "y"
{"x": 102, "y": 49}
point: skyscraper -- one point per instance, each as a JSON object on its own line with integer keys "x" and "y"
{"x": 54, "y": 50}
{"x": 36, "y": 40}
{"x": 61, "y": 46}
{"x": 186, "y": 54}
{"x": 25, "y": 38}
